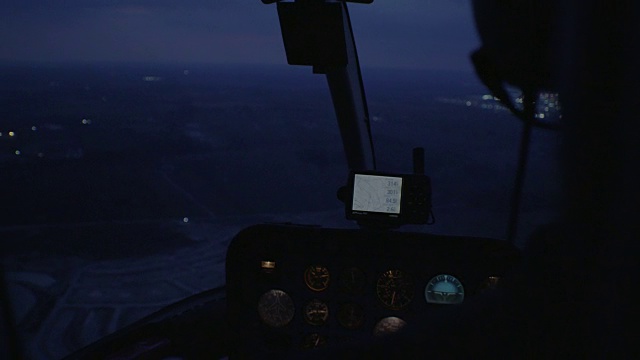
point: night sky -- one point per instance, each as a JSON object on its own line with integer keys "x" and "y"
{"x": 418, "y": 34}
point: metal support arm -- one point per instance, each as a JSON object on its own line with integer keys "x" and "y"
{"x": 318, "y": 33}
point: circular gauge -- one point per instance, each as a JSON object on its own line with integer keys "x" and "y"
{"x": 351, "y": 316}
{"x": 388, "y": 325}
{"x": 313, "y": 341}
{"x": 444, "y": 289}
{"x": 316, "y": 277}
{"x": 276, "y": 308}
{"x": 316, "y": 312}
{"x": 395, "y": 289}
{"x": 352, "y": 280}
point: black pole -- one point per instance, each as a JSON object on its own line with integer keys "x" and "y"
{"x": 523, "y": 159}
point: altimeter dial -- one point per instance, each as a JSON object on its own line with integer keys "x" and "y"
{"x": 395, "y": 289}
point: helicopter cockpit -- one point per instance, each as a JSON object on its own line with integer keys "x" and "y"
{"x": 291, "y": 289}
{"x": 375, "y": 290}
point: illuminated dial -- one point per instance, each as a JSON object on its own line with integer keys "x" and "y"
{"x": 313, "y": 341}
{"x": 276, "y": 308}
{"x": 444, "y": 289}
{"x": 316, "y": 312}
{"x": 317, "y": 277}
{"x": 388, "y": 325}
{"x": 351, "y": 316}
{"x": 352, "y": 280}
{"x": 395, "y": 289}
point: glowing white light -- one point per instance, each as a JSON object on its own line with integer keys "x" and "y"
{"x": 34, "y": 128}
{"x": 541, "y": 116}
{"x": 468, "y": 103}
{"x": 12, "y": 134}
{"x": 86, "y": 121}
{"x": 185, "y": 219}
{"x": 17, "y": 152}
{"x": 487, "y": 97}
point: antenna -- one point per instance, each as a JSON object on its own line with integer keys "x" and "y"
{"x": 418, "y": 161}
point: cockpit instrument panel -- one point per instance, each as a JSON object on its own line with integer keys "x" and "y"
{"x": 332, "y": 286}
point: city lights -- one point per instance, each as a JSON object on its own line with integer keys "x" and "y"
{"x": 151, "y": 78}
{"x": 549, "y": 107}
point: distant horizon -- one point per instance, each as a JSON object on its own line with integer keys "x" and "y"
{"x": 412, "y": 34}
{"x": 199, "y": 64}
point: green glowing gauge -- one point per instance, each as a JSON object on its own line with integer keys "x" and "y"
{"x": 444, "y": 289}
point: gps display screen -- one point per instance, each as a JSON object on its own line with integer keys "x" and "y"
{"x": 374, "y": 193}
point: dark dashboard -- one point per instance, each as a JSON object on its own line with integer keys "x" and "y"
{"x": 291, "y": 290}
{"x": 294, "y": 288}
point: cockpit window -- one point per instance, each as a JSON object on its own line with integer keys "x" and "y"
{"x": 138, "y": 137}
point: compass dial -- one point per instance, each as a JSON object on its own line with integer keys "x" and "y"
{"x": 395, "y": 289}
{"x": 316, "y": 312}
{"x": 317, "y": 277}
{"x": 444, "y": 289}
{"x": 276, "y": 308}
